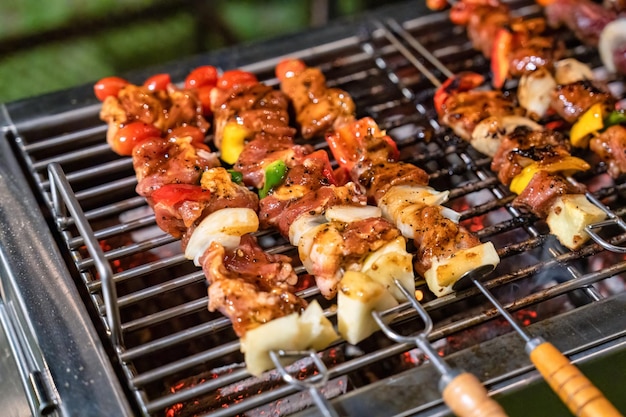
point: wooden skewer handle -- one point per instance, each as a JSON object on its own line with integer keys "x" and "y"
{"x": 575, "y": 390}
{"x": 467, "y": 397}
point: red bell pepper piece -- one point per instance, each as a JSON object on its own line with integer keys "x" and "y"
{"x": 500, "y": 62}
{"x": 327, "y": 169}
{"x": 173, "y": 194}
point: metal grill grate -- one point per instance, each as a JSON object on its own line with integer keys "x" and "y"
{"x": 153, "y": 302}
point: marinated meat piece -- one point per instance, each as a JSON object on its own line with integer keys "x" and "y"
{"x": 610, "y": 145}
{"x": 178, "y": 208}
{"x": 159, "y": 161}
{"x": 377, "y": 178}
{"x": 438, "y": 237}
{"x": 318, "y": 108}
{"x": 244, "y": 295}
{"x": 163, "y": 109}
{"x": 263, "y": 150}
{"x": 279, "y": 211}
{"x": 541, "y": 192}
{"x": 524, "y": 146}
{"x": 584, "y": 17}
{"x": 483, "y": 19}
{"x": 338, "y": 247}
{"x": 572, "y": 100}
{"x": 258, "y": 107}
{"x": 464, "y": 110}
{"x": 537, "y": 52}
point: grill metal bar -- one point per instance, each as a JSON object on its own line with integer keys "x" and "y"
{"x": 62, "y": 192}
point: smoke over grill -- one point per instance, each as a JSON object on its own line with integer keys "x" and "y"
{"x": 175, "y": 358}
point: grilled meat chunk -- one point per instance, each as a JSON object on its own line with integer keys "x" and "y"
{"x": 160, "y": 161}
{"x": 541, "y": 192}
{"x": 523, "y": 146}
{"x": 164, "y": 109}
{"x": 610, "y": 145}
{"x": 258, "y": 108}
{"x": 464, "y": 110}
{"x": 263, "y": 150}
{"x": 584, "y": 17}
{"x": 249, "y": 296}
{"x": 318, "y": 108}
{"x": 570, "y": 101}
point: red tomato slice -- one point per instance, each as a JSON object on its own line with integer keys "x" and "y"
{"x": 234, "y": 78}
{"x": 131, "y": 135}
{"x": 108, "y": 86}
{"x": 158, "y": 82}
{"x": 172, "y": 194}
{"x": 201, "y": 76}
{"x": 197, "y": 135}
{"x": 289, "y": 68}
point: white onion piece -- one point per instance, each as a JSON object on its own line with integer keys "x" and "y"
{"x": 225, "y": 226}
{"x": 487, "y": 135}
{"x": 347, "y": 214}
{"x": 451, "y": 214}
{"x": 534, "y": 92}
{"x": 612, "y": 35}
{"x": 570, "y": 70}
{"x": 303, "y": 224}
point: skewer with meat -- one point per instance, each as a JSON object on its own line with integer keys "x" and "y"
{"x": 529, "y": 159}
{"x": 198, "y": 201}
{"x": 564, "y": 86}
{"x": 515, "y": 46}
{"x": 445, "y": 250}
{"x": 330, "y": 223}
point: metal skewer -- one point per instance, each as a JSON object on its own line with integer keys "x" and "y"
{"x": 573, "y": 388}
{"x": 313, "y": 384}
{"x": 460, "y": 390}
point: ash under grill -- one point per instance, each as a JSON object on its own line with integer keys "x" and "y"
{"x": 150, "y": 304}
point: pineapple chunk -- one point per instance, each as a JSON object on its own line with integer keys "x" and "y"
{"x": 444, "y": 273}
{"x": 358, "y": 296}
{"x": 311, "y": 329}
{"x": 569, "y": 216}
{"x": 390, "y": 262}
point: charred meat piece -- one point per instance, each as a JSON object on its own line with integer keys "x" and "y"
{"x": 318, "y": 108}
{"x": 610, "y": 145}
{"x": 539, "y": 195}
{"x": 164, "y": 109}
{"x": 376, "y": 179}
{"x": 524, "y": 146}
{"x": 160, "y": 161}
{"x": 464, "y": 110}
{"x": 263, "y": 150}
{"x": 258, "y": 108}
{"x": 570, "y": 101}
{"x": 483, "y": 20}
{"x": 249, "y": 296}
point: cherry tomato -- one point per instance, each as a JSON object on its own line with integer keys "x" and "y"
{"x": 158, "y": 82}
{"x": 197, "y": 136}
{"x": 108, "y": 86}
{"x": 234, "y": 78}
{"x": 172, "y": 194}
{"x": 131, "y": 135}
{"x": 288, "y": 68}
{"x": 201, "y": 76}
{"x": 204, "y": 95}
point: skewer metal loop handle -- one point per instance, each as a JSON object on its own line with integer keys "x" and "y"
{"x": 575, "y": 390}
{"x": 467, "y": 397}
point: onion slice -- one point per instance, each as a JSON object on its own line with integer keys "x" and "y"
{"x": 613, "y": 35}
{"x": 225, "y": 226}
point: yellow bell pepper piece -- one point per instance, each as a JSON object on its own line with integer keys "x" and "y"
{"x": 569, "y": 163}
{"x": 590, "y": 122}
{"x": 233, "y": 141}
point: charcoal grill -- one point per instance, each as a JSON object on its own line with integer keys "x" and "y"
{"x": 104, "y": 316}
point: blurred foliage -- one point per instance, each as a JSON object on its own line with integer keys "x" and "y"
{"x": 62, "y": 43}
